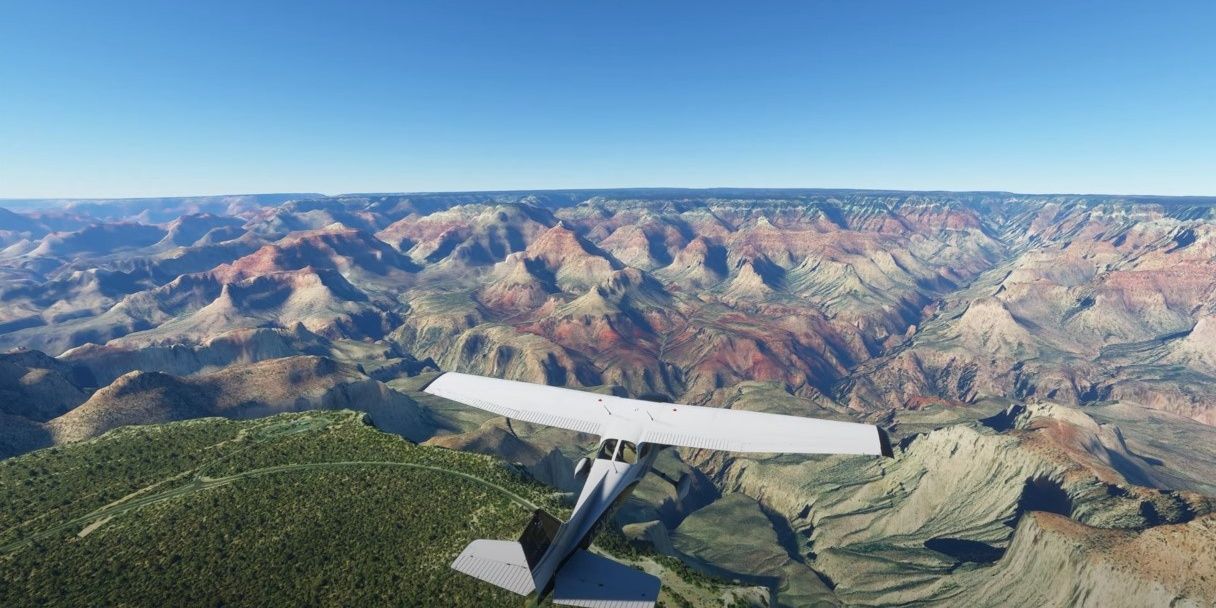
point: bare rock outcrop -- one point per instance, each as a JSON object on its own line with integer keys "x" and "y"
{"x": 1072, "y": 564}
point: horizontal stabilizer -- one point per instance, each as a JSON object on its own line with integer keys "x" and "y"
{"x": 498, "y": 562}
{"x": 591, "y": 581}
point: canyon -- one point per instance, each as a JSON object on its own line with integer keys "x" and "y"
{"x": 1046, "y": 363}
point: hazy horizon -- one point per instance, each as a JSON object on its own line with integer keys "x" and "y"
{"x": 1150, "y": 195}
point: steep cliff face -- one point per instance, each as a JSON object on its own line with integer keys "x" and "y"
{"x": 1072, "y": 564}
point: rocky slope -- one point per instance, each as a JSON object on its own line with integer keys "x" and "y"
{"x": 1101, "y": 301}
{"x": 1077, "y": 565}
{"x": 924, "y": 527}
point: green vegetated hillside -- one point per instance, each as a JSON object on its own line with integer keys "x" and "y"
{"x": 299, "y": 509}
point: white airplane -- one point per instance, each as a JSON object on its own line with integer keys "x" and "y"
{"x": 551, "y": 555}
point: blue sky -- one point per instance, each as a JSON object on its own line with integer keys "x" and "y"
{"x": 175, "y": 98}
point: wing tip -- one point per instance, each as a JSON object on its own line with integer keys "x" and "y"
{"x": 424, "y": 387}
{"x": 884, "y": 443}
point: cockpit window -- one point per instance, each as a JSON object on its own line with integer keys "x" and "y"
{"x": 628, "y": 453}
{"x": 620, "y": 451}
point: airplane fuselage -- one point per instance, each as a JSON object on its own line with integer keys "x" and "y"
{"x": 609, "y": 480}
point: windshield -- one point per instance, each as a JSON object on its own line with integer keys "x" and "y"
{"x": 628, "y": 453}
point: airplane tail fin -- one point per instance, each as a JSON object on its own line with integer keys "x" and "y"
{"x": 509, "y": 564}
{"x": 591, "y": 581}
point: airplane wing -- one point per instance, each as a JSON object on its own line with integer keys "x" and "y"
{"x": 660, "y": 423}
{"x": 537, "y": 403}
{"x": 714, "y": 428}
